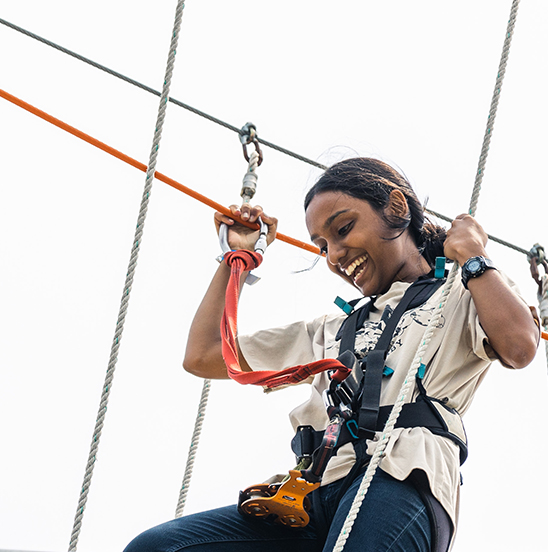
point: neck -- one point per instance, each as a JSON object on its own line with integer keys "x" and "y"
{"x": 414, "y": 267}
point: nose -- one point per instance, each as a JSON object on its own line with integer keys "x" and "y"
{"x": 335, "y": 254}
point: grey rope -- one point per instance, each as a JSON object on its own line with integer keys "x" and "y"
{"x": 210, "y": 117}
{"x": 155, "y": 92}
{"x": 490, "y": 236}
{"x": 193, "y": 449}
{"x": 129, "y": 281}
{"x": 409, "y": 381}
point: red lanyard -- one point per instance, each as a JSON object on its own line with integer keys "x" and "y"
{"x": 240, "y": 261}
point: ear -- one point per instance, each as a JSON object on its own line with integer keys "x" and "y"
{"x": 397, "y": 207}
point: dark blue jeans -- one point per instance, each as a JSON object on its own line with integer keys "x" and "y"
{"x": 392, "y": 518}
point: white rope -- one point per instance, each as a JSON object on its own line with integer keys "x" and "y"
{"x": 129, "y": 281}
{"x": 409, "y": 382}
{"x": 193, "y": 449}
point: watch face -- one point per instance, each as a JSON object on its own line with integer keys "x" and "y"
{"x": 474, "y": 266}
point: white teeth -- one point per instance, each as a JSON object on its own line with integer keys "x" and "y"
{"x": 350, "y": 270}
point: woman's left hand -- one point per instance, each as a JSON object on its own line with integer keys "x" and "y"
{"x": 505, "y": 318}
{"x": 466, "y": 238}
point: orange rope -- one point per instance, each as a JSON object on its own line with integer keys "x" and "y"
{"x": 142, "y": 167}
{"x": 544, "y": 335}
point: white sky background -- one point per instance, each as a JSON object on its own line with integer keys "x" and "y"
{"x": 410, "y": 82}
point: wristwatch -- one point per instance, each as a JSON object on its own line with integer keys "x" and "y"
{"x": 474, "y": 267}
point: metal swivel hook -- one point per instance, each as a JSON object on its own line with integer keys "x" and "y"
{"x": 249, "y": 136}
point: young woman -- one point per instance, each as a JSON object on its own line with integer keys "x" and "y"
{"x": 369, "y": 223}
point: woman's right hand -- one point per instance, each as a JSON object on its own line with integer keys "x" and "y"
{"x": 240, "y": 236}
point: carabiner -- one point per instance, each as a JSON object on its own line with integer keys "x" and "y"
{"x": 260, "y": 244}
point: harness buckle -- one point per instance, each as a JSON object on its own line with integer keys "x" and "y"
{"x": 341, "y": 395}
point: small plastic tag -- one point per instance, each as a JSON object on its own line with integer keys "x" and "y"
{"x": 342, "y": 304}
{"x": 421, "y": 371}
{"x": 439, "y": 271}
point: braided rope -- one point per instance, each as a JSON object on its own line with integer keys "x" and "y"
{"x": 128, "y": 283}
{"x": 193, "y": 449}
{"x": 409, "y": 382}
{"x": 494, "y": 105}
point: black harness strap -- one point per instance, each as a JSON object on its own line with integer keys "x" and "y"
{"x": 372, "y": 417}
{"x": 369, "y": 416}
{"x": 374, "y": 361}
{"x": 417, "y": 414}
{"x": 348, "y": 329}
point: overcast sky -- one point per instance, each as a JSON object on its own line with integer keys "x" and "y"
{"x": 409, "y": 82}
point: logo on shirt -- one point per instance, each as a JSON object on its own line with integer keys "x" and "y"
{"x": 368, "y": 335}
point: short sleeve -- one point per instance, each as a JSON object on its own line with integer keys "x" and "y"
{"x": 479, "y": 341}
{"x": 279, "y": 348}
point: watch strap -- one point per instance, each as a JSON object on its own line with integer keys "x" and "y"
{"x": 485, "y": 264}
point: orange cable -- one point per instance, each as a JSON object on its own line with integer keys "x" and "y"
{"x": 142, "y": 167}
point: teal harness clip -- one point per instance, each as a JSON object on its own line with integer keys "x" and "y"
{"x": 439, "y": 271}
{"x": 342, "y": 304}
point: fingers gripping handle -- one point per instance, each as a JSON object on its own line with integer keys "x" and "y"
{"x": 260, "y": 246}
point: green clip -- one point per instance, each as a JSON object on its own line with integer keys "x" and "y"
{"x": 440, "y": 267}
{"x": 342, "y": 304}
{"x": 421, "y": 371}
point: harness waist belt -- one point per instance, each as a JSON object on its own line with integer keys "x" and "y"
{"x": 438, "y": 419}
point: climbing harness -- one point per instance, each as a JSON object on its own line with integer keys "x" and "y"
{"x": 354, "y": 412}
{"x": 359, "y": 394}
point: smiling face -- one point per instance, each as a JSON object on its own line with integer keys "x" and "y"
{"x": 360, "y": 246}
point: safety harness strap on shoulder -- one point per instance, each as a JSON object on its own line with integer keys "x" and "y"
{"x": 369, "y": 416}
{"x": 353, "y": 404}
{"x": 355, "y": 320}
{"x": 416, "y": 294}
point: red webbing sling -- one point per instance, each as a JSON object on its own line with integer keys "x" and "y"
{"x": 240, "y": 261}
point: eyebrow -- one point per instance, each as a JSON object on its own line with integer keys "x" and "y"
{"x": 329, "y": 221}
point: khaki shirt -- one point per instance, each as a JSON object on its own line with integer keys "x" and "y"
{"x": 456, "y": 361}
